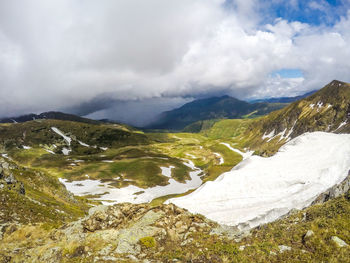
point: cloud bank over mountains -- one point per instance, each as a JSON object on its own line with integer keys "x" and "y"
{"x": 64, "y": 54}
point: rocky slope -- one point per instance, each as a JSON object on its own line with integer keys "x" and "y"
{"x": 166, "y": 233}
{"x": 326, "y": 110}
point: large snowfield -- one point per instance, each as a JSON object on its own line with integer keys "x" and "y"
{"x": 260, "y": 190}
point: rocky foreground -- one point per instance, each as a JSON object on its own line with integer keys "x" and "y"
{"x": 166, "y": 233}
{"x": 123, "y": 232}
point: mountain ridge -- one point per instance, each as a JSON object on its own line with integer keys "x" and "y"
{"x": 326, "y": 110}
{"x": 284, "y": 99}
{"x": 211, "y": 108}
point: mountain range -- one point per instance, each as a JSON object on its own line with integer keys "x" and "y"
{"x": 284, "y": 99}
{"x": 78, "y": 190}
{"x": 224, "y": 107}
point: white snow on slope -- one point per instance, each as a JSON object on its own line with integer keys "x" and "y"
{"x": 166, "y": 171}
{"x": 191, "y": 155}
{"x": 83, "y": 144}
{"x": 66, "y": 151}
{"x": 111, "y": 195}
{"x": 341, "y": 125}
{"x": 245, "y": 155}
{"x": 49, "y": 151}
{"x": 26, "y": 147}
{"x": 66, "y": 138}
{"x": 268, "y": 136}
{"x": 221, "y": 159}
{"x": 260, "y": 190}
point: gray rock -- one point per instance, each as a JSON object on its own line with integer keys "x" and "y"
{"x": 339, "y": 242}
{"x": 284, "y": 248}
{"x": 129, "y": 238}
{"x": 187, "y": 241}
{"x": 10, "y": 179}
{"x": 100, "y": 208}
{"x": 334, "y": 191}
{"x": 5, "y": 165}
{"x": 51, "y": 255}
{"x": 231, "y": 232}
{"x": 21, "y": 190}
{"x": 308, "y": 234}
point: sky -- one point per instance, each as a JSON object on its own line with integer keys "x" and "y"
{"x": 129, "y": 60}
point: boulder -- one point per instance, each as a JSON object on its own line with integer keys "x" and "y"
{"x": 308, "y": 235}
{"x": 5, "y": 165}
{"x": 284, "y": 248}
{"x": 10, "y": 179}
{"x": 21, "y": 190}
{"x": 339, "y": 242}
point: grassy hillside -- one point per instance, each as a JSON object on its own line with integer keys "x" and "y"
{"x": 326, "y": 110}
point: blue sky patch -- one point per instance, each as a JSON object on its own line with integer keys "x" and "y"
{"x": 288, "y": 73}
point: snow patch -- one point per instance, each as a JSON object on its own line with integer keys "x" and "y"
{"x": 244, "y": 154}
{"x": 49, "y": 151}
{"x": 83, "y": 144}
{"x": 260, "y": 190}
{"x": 191, "y": 155}
{"x": 268, "y": 136}
{"x": 66, "y": 138}
{"x": 66, "y": 151}
{"x": 221, "y": 159}
{"x": 341, "y": 125}
{"x": 103, "y": 148}
{"x": 26, "y": 147}
{"x": 166, "y": 171}
{"x": 111, "y": 195}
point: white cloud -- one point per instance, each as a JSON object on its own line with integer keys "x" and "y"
{"x": 56, "y": 54}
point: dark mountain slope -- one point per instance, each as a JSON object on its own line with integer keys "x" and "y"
{"x": 211, "y": 108}
{"x": 55, "y": 115}
{"x": 85, "y": 138}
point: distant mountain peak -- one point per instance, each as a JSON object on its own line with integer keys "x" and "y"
{"x": 326, "y": 110}
{"x": 56, "y": 115}
{"x": 224, "y": 107}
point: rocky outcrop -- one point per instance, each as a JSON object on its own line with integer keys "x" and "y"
{"x": 122, "y": 232}
{"x": 8, "y": 180}
{"x": 334, "y": 191}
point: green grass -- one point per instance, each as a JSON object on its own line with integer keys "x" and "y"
{"x": 136, "y": 157}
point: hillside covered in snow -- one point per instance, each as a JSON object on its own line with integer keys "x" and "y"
{"x": 260, "y": 190}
